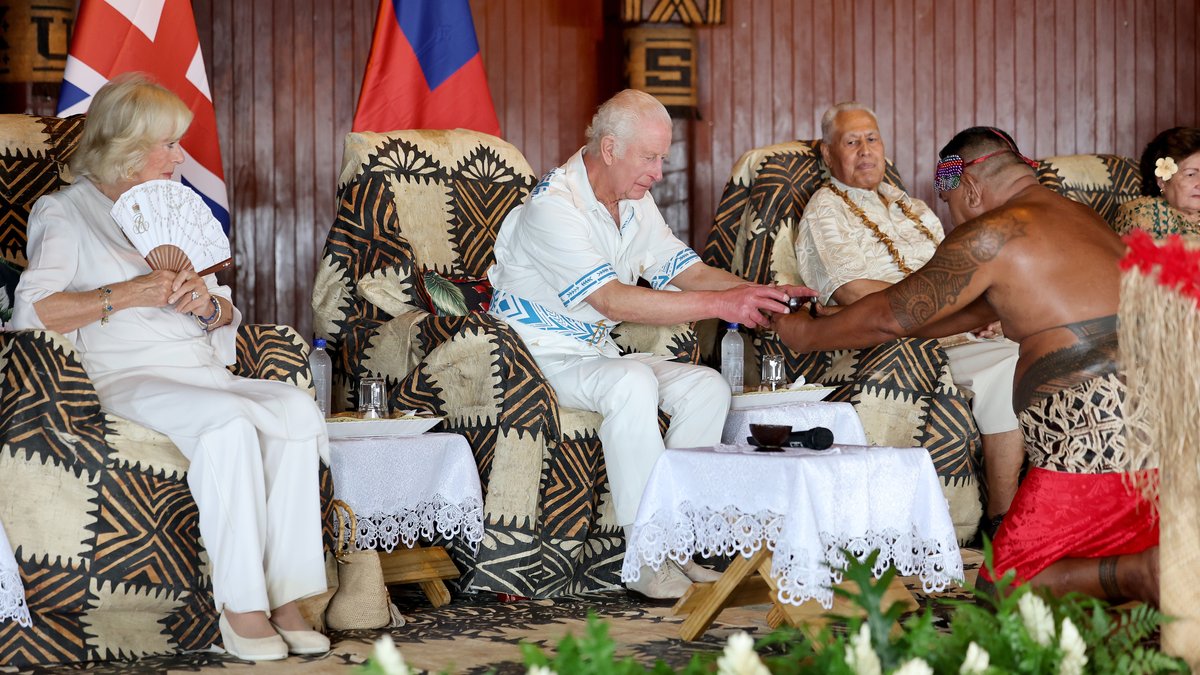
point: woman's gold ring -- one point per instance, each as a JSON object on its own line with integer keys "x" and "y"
{"x": 195, "y": 295}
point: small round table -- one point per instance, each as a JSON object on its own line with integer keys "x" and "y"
{"x": 405, "y": 487}
{"x": 788, "y": 516}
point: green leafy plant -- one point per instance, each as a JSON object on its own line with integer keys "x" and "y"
{"x": 447, "y": 298}
{"x": 1013, "y": 630}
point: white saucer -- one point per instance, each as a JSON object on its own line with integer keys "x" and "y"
{"x": 352, "y": 427}
{"x": 756, "y": 399}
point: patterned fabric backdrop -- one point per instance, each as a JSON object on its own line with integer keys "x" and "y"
{"x": 673, "y": 11}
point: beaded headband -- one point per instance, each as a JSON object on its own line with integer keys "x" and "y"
{"x": 948, "y": 174}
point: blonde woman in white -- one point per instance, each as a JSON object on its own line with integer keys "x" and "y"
{"x": 156, "y": 345}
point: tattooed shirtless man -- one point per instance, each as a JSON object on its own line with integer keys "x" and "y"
{"x": 1046, "y": 267}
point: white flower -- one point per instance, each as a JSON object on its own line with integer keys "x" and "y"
{"x": 1074, "y": 650}
{"x": 914, "y": 667}
{"x": 540, "y": 670}
{"x": 976, "y": 661}
{"x": 1165, "y": 167}
{"x": 739, "y": 657}
{"x": 1037, "y": 619}
{"x": 861, "y": 655}
{"x": 387, "y": 657}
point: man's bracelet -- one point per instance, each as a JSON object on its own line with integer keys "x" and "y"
{"x": 106, "y": 307}
{"x": 207, "y": 321}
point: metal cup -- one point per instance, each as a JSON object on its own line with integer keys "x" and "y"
{"x": 772, "y": 372}
{"x": 372, "y": 397}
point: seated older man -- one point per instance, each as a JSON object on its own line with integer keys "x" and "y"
{"x": 860, "y": 235}
{"x": 567, "y": 265}
{"x": 1048, "y": 268}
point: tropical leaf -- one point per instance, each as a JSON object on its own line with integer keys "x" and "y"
{"x": 447, "y": 298}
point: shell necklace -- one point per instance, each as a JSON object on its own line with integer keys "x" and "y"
{"x": 883, "y": 238}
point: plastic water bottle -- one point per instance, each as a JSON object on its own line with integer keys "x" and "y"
{"x": 322, "y": 370}
{"x": 733, "y": 357}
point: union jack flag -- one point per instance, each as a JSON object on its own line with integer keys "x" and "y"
{"x": 157, "y": 37}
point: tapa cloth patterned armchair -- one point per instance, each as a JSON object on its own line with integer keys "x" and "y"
{"x": 901, "y": 389}
{"x": 414, "y": 202}
{"x": 1103, "y": 182}
{"x": 97, "y": 508}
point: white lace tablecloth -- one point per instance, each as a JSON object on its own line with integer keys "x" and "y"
{"x": 405, "y": 487}
{"x": 806, "y": 506}
{"x": 840, "y": 418}
{"x": 12, "y": 593}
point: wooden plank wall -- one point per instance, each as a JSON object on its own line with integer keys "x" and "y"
{"x": 549, "y": 65}
{"x": 285, "y": 77}
{"x": 1064, "y": 76}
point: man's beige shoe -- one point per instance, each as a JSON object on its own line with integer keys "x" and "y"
{"x": 698, "y": 572}
{"x": 668, "y": 582}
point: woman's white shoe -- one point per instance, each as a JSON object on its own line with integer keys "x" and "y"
{"x": 303, "y": 642}
{"x": 270, "y": 648}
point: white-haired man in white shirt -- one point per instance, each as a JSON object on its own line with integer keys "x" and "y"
{"x": 567, "y": 265}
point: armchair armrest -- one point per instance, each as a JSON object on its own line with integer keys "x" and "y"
{"x": 679, "y": 340}
{"x": 47, "y": 402}
{"x": 479, "y": 373}
{"x": 269, "y": 352}
{"x": 482, "y": 379}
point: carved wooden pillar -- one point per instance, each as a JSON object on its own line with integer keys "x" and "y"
{"x": 660, "y": 59}
{"x": 34, "y": 35}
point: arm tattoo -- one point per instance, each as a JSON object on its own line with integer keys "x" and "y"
{"x": 1094, "y": 354}
{"x": 938, "y": 284}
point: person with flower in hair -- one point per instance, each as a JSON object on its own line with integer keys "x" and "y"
{"x": 859, "y": 234}
{"x": 1047, "y": 267}
{"x": 1170, "y": 168}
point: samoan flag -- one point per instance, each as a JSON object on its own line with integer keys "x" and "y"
{"x": 157, "y": 37}
{"x": 425, "y": 71}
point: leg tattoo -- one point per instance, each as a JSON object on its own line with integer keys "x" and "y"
{"x": 1108, "y": 578}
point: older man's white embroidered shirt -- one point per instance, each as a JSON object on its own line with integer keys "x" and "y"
{"x": 834, "y": 246}
{"x": 561, "y": 245}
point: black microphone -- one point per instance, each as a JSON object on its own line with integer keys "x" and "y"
{"x": 816, "y": 438}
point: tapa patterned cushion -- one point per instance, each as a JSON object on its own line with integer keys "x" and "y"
{"x": 1103, "y": 182}
{"x": 98, "y": 510}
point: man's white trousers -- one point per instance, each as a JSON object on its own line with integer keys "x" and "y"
{"x": 986, "y": 369}
{"x": 628, "y": 391}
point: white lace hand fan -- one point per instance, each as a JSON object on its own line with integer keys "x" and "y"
{"x": 169, "y": 224}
